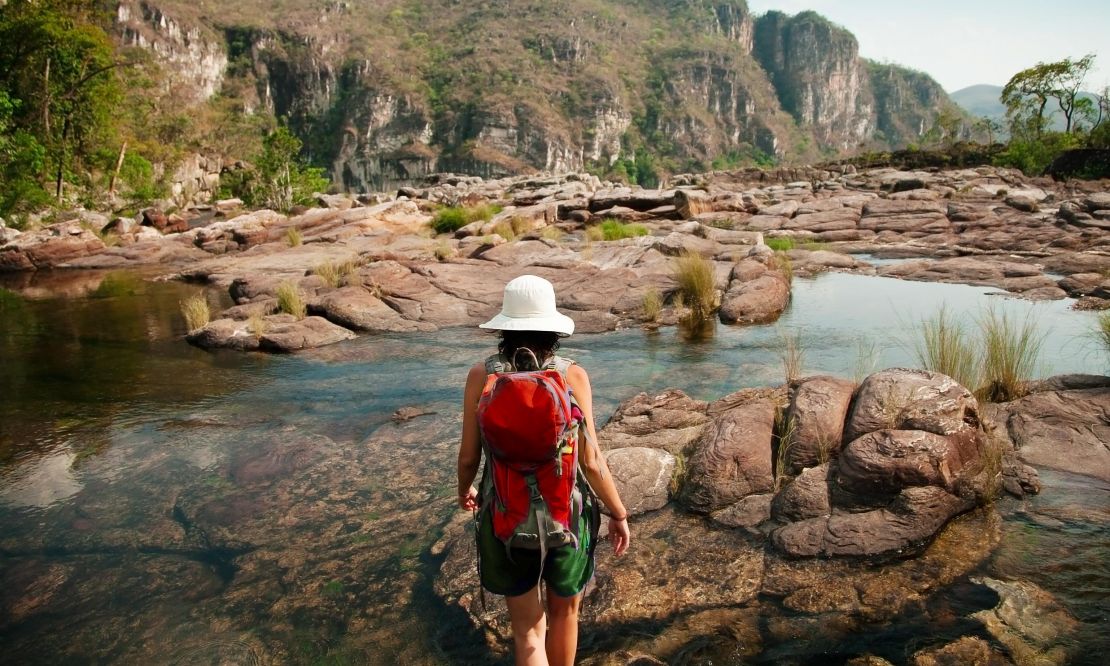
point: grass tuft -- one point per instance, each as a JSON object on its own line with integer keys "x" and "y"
{"x": 782, "y": 440}
{"x": 785, "y": 266}
{"x": 679, "y": 475}
{"x": 1102, "y": 331}
{"x": 652, "y": 304}
{"x": 290, "y": 300}
{"x": 453, "y": 218}
{"x": 293, "y": 237}
{"x": 329, "y": 272}
{"x": 1011, "y": 352}
{"x": 944, "y": 346}
{"x": 594, "y": 234}
{"x": 443, "y": 251}
{"x": 552, "y": 233}
{"x": 697, "y": 285}
{"x": 867, "y": 357}
{"x": 793, "y": 355}
{"x": 612, "y": 229}
{"x": 196, "y": 312}
{"x": 256, "y": 324}
{"x": 505, "y": 230}
{"x": 780, "y": 244}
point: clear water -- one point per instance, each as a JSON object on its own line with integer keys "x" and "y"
{"x": 161, "y": 503}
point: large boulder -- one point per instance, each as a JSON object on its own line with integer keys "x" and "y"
{"x": 909, "y": 399}
{"x": 356, "y": 308}
{"x": 909, "y": 522}
{"x": 49, "y": 247}
{"x": 670, "y": 420}
{"x": 882, "y": 463}
{"x": 643, "y": 477}
{"x": 758, "y": 301}
{"x": 306, "y": 333}
{"x": 818, "y": 408}
{"x": 732, "y": 459}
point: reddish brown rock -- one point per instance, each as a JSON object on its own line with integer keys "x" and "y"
{"x": 732, "y": 459}
{"x": 818, "y": 408}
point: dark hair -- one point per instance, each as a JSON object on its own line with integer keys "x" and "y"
{"x": 543, "y": 344}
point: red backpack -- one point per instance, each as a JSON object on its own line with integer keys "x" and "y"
{"x": 529, "y": 424}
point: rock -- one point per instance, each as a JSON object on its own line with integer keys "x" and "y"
{"x": 807, "y": 496}
{"x": 643, "y": 477}
{"x": 670, "y": 420}
{"x": 1067, "y": 430}
{"x": 920, "y": 217}
{"x": 818, "y": 408}
{"x": 355, "y": 307}
{"x": 905, "y": 399}
{"x": 335, "y": 201}
{"x": 910, "y": 521}
{"x": 967, "y": 651}
{"x": 1033, "y": 626}
{"x": 224, "y": 334}
{"x": 228, "y": 205}
{"x": 676, "y": 244}
{"x": 307, "y": 333}
{"x": 748, "y": 513}
{"x": 838, "y": 219}
{"x": 732, "y": 459}
{"x": 408, "y": 413}
{"x": 1022, "y": 203}
{"x": 758, "y": 301}
{"x": 691, "y": 203}
{"x": 49, "y": 247}
{"x": 883, "y": 462}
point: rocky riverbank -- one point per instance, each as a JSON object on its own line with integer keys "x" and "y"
{"x": 820, "y": 509}
{"x": 986, "y": 226}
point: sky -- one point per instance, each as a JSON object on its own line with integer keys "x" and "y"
{"x": 966, "y": 42}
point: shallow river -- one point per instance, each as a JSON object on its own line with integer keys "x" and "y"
{"x": 163, "y": 504}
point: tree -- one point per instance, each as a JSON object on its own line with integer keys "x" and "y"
{"x": 989, "y": 125}
{"x": 280, "y": 180}
{"x": 58, "y": 70}
{"x": 1027, "y": 94}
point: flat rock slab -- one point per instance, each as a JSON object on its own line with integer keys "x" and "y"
{"x": 307, "y": 333}
{"x": 1066, "y": 430}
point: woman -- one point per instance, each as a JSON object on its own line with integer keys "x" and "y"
{"x": 530, "y": 323}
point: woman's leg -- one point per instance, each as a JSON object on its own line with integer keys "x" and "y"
{"x": 529, "y": 628}
{"x": 562, "y": 630}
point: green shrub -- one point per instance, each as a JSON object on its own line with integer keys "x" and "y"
{"x": 196, "y": 312}
{"x": 448, "y": 220}
{"x": 944, "y": 346}
{"x": 780, "y": 244}
{"x": 290, "y": 301}
{"x": 616, "y": 230}
{"x": 697, "y": 285}
{"x": 784, "y": 266}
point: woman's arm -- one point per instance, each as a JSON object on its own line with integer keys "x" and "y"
{"x": 470, "y": 450}
{"x": 594, "y": 466}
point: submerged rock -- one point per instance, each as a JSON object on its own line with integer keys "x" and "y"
{"x": 1029, "y": 622}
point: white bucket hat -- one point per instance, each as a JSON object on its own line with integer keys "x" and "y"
{"x": 529, "y": 305}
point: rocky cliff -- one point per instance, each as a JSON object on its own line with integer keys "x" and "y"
{"x": 387, "y": 91}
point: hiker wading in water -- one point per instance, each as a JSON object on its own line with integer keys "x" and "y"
{"x": 531, "y": 413}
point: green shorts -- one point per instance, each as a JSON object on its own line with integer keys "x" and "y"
{"x": 512, "y": 572}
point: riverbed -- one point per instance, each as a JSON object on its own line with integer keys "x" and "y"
{"x": 163, "y": 504}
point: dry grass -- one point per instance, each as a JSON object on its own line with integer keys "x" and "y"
{"x": 1011, "y": 353}
{"x": 257, "y": 324}
{"x": 196, "y": 312}
{"x": 944, "y": 346}
{"x": 443, "y": 251}
{"x": 784, "y": 436}
{"x": 293, "y": 237}
{"x": 329, "y": 272}
{"x": 793, "y": 354}
{"x": 1102, "y": 331}
{"x": 505, "y": 230}
{"x": 290, "y": 300}
{"x": 785, "y": 266}
{"x": 552, "y": 233}
{"x": 652, "y": 304}
{"x": 679, "y": 475}
{"x": 867, "y": 357}
{"x": 697, "y": 284}
{"x": 594, "y": 234}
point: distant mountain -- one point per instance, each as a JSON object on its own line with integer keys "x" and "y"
{"x": 985, "y": 100}
{"x": 981, "y": 100}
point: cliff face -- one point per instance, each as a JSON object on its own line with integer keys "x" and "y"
{"x": 386, "y": 91}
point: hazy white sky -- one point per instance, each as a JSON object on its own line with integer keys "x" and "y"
{"x": 965, "y": 42}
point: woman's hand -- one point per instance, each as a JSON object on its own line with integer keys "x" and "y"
{"x": 619, "y": 535}
{"x": 469, "y": 500}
